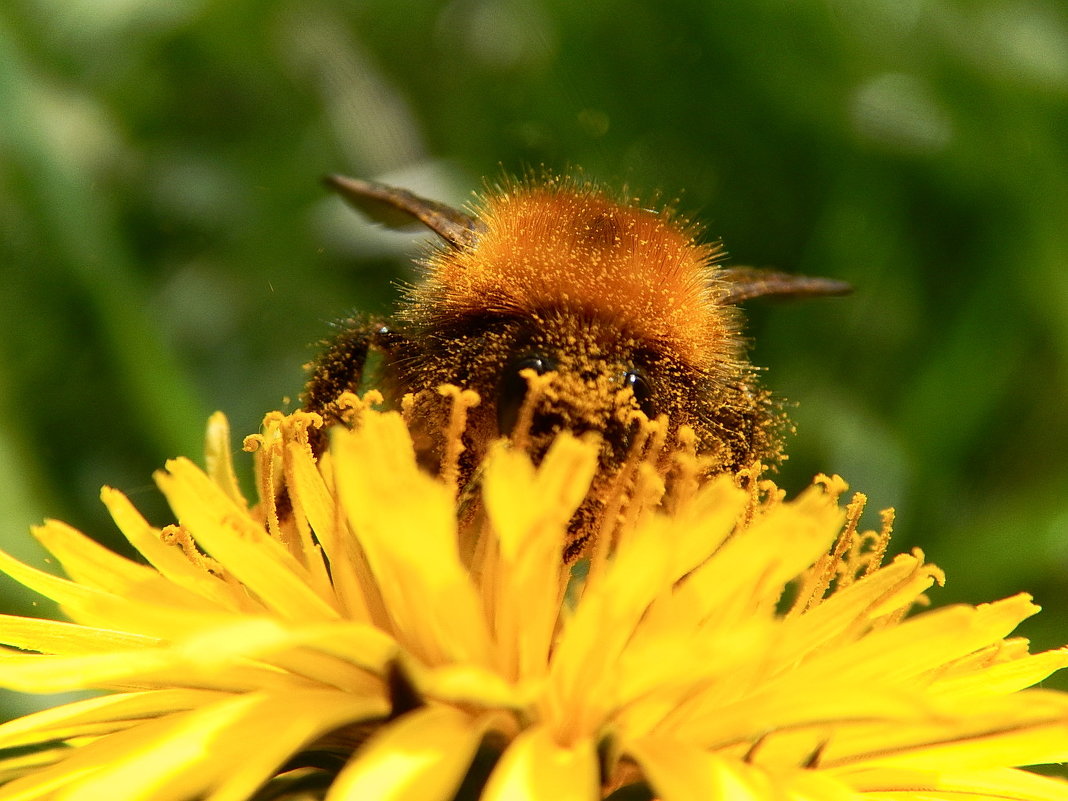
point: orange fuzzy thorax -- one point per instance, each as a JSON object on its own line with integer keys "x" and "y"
{"x": 547, "y": 248}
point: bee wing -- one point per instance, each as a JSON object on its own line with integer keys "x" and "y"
{"x": 745, "y": 283}
{"x": 396, "y": 208}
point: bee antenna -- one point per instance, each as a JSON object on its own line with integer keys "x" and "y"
{"x": 396, "y": 208}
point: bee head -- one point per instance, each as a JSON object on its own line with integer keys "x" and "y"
{"x": 573, "y": 383}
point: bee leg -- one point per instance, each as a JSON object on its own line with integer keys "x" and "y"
{"x": 339, "y": 368}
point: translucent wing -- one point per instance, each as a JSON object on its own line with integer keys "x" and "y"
{"x": 745, "y": 283}
{"x": 396, "y": 208}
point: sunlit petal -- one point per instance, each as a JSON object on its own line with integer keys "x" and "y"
{"x": 420, "y": 757}
{"x": 535, "y": 766}
{"x": 342, "y": 638}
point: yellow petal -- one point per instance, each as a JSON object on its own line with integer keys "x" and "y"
{"x": 907, "y": 593}
{"x": 168, "y": 559}
{"x": 979, "y": 785}
{"x": 663, "y": 675}
{"x": 748, "y": 574}
{"x": 529, "y": 510}
{"x": 309, "y": 491}
{"x": 405, "y": 522}
{"x": 283, "y": 726}
{"x": 522, "y": 501}
{"x": 94, "y": 567}
{"x": 535, "y": 766}
{"x": 13, "y": 767}
{"x": 56, "y": 637}
{"x": 91, "y": 564}
{"x": 186, "y": 755}
{"x": 129, "y": 765}
{"x": 215, "y": 658}
{"x": 470, "y": 686}
{"x": 243, "y": 548}
{"x": 100, "y": 715}
{"x": 218, "y": 458}
{"x": 68, "y": 594}
{"x": 1002, "y": 677}
{"x": 1029, "y": 727}
{"x": 295, "y": 530}
{"x": 712, "y": 721}
{"x": 422, "y": 756}
{"x": 925, "y": 642}
{"x": 582, "y": 677}
{"x": 678, "y": 771}
{"x": 703, "y": 524}
{"x": 848, "y": 613}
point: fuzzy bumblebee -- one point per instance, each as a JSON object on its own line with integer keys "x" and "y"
{"x": 565, "y": 309}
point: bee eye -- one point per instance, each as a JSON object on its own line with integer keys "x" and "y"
{"x": 512, "y": 389}
{"x": 643, "y": 393}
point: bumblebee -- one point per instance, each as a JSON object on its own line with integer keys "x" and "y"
{"x": 565, "y": 310}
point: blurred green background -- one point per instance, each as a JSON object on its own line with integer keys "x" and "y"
{"x": 166, "y": 248}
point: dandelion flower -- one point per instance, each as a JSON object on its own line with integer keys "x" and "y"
{"x": 344, "y": 637}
